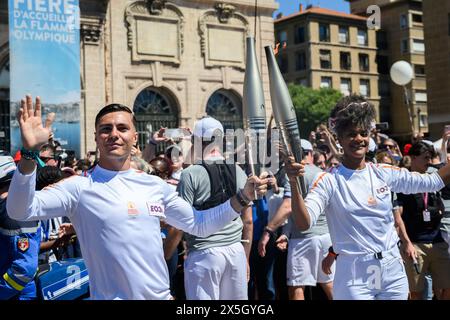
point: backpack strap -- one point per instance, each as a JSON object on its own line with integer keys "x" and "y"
{"x": 222, "y": 180}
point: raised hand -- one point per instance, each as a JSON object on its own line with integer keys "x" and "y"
{"x": 33, "y": 133}
{"x": 159, "y": 136}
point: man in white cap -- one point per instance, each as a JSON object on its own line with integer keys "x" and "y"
{"x": 216, "y": 266}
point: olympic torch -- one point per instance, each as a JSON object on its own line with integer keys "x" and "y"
{"x": 284, "y": 113}
{"x": 254, "y": 111}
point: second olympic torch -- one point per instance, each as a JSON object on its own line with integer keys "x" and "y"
{"x": 284, "y": 113}
{"x": 254, "y": 111}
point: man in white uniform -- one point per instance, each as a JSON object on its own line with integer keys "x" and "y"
{"x": 116, "y": 210}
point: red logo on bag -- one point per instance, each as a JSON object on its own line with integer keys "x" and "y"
{"x": 23, "y": 244}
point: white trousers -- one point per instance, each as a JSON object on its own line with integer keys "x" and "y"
{"x": 216, "y": 274}
{"x": 365, "y": 277}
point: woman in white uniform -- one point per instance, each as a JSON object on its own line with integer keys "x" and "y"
{"x": 356, "y": 197}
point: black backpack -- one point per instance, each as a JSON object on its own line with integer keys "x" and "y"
{"x": 222, "y": 178}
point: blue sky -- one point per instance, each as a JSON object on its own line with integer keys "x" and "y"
{"x": 291, "y": 6}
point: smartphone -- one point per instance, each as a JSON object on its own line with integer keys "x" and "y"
{"x": 175, "y": 134}
{"x": 383, "y": 126}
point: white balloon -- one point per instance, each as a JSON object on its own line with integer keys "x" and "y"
{"x": 402, "y": 73}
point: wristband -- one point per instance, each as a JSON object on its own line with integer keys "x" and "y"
{"x": 269, "y": 231}
{"x": 32, "y": 155}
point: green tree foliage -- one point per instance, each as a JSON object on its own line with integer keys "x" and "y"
{"x": 312, "y": 106}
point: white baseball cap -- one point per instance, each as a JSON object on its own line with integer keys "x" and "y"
{"x": 372, "y": 145}
{"x": 7, "y": 168}
{"x": 306, "y": 145}
{"x": 207, "y": 128}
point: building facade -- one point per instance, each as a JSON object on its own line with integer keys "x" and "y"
{"x": 326, "y": 48}
{"x": 171, "y": 61}
{"x": 401, "y": 37}
{"x": 436, "y": 19}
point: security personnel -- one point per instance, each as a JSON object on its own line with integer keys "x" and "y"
{"x": 19, "y": 245}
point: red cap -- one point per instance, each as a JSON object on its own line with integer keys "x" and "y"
{"x": 406, "y": 149}
{"x": 17, "y": 156}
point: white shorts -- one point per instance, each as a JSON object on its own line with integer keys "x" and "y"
{"x": 218, "y": 273}
{"x": 304, "y": 261}
{"x": 365, "y": 277}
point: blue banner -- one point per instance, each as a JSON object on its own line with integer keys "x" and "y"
{"x": 44, "y": 40}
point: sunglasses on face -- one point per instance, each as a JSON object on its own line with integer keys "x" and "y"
{"x": 46, "y": 159}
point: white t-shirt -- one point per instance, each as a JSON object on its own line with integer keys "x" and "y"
{"x": 357, "y": 226}
{"x": 116, "y": 215}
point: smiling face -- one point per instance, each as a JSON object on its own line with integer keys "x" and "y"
{"x": 355, "y": 142}
{"x": 115, "y": 136}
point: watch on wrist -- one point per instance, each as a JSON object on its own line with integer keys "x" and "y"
{"x": 243, "y": 201}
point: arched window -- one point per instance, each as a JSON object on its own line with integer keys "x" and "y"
{"x": 154, "y": 108}
{"x": 225, "y": 106}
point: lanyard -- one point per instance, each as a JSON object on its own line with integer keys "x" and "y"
{"x": 425, "y": 200}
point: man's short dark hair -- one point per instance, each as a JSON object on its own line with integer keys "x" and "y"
{"x": 420, "y": 148}
{"x": 114, "y": 107}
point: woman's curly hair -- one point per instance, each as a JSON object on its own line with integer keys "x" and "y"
{"x": 352, "y": 111}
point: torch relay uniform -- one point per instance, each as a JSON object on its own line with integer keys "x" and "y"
{"x": 358, "y": 207}
{"x": 116, "y": 215}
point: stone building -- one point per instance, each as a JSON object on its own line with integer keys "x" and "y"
{"x": 327, "y": 48}
{"x": 401, "y": 37}
{"x": 436, "y": 19}
{"x": 171, "y": 61}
